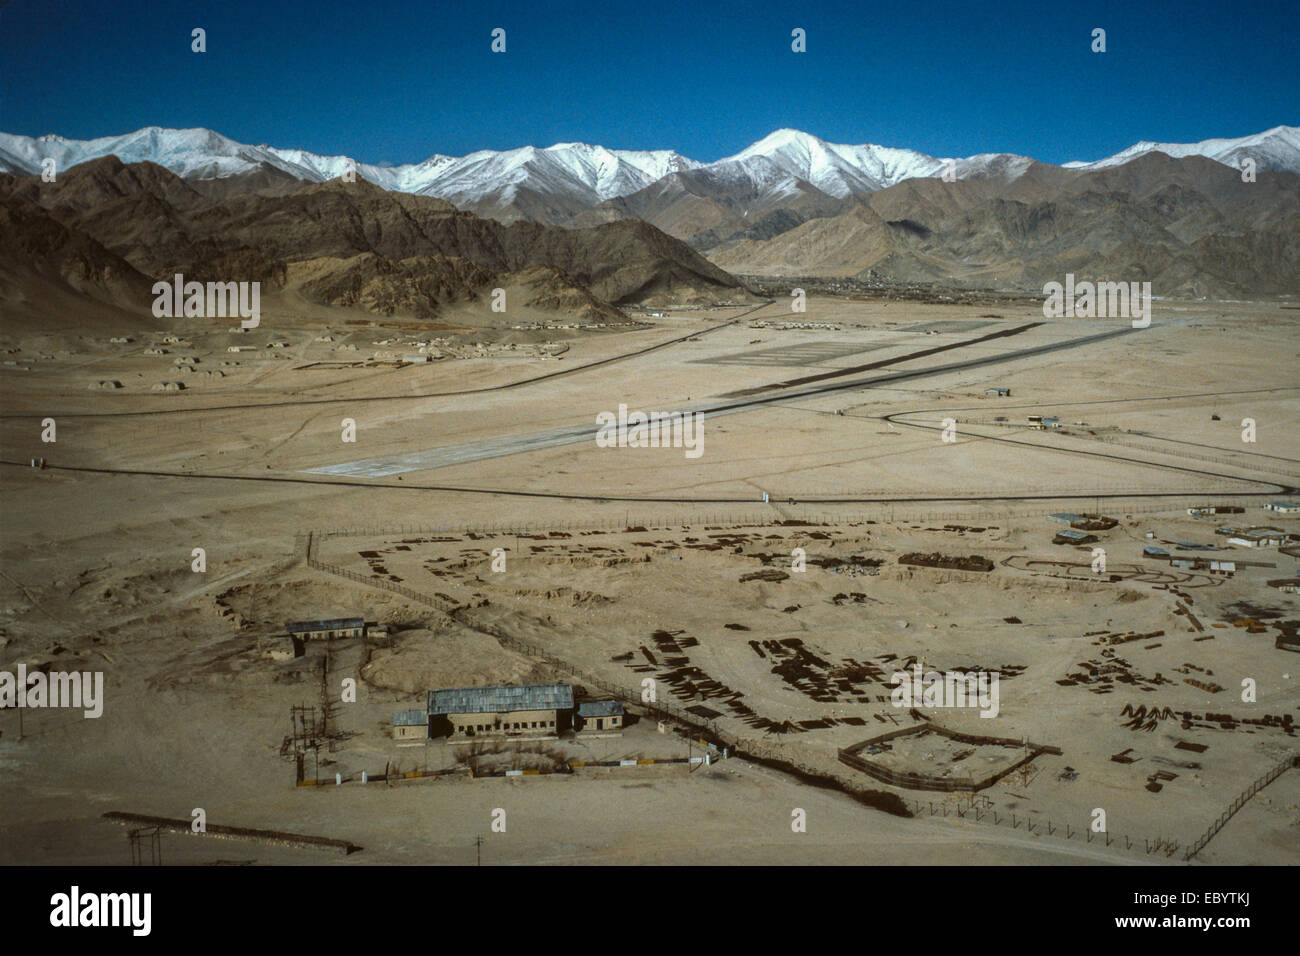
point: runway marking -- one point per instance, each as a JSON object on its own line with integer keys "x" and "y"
{"x": 388, "y": 465}
{"x": 945, "y": 325}
{"x": 809, "y": 353}
{"x": 816, "y": 385}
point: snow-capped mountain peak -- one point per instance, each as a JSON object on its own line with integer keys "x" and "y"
{"x": 567, "y": 177}
{"x": 1273, "y": 149}
{"x": 845, "y": 170}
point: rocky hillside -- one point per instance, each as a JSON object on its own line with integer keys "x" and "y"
{"x": 385, "y": 251}
{"x": 1189, "y": 226}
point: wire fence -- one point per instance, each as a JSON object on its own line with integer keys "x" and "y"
{"x": 1226, "y": 815}
{"x": 645, "y": 700}
{"x": 981, "y": 810}
{"x": 976, "y": 808}
{"x": 805, "y": 513}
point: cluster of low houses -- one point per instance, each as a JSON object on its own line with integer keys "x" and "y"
{"x": 1280, "y": 507}
{"x": 1253, "y": 537}
{"x": 1267, "y": 536}
{"x": 530, "y": 710}
{"x": 1213, "y": 565}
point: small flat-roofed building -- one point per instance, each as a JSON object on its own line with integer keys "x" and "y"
{"x": 410, "y": 725}
{"x": 1283, "y": 507}
{"x": 1264, "y": 537}
{"x": 1087, "y": 522}
{"x": 1256, "y": 538}
{"x": 280, "y": 647}
{"x": 334, "y": 627}
{"x": 1151, "y": 551}
{"x": 1068, "y": 536}
{"x": 999, "y": 391}
{"x": 1050, "y": 422}
{"x": 597, "y": 715}
{"x": 1208, "y": 510}
{"x": 531, "y": 709}
{"x": 1066, "y": 517}
{"x": 1289, "y": 585}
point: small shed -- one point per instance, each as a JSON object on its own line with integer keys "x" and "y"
{"x": 596, "y": 715}
{"x": 280, "y": 647}
{"x": 410, "y": 725}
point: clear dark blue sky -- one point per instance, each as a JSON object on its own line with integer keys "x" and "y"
{"x": 398, "y": 80}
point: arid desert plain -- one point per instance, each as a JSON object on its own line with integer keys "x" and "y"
{"x": 757, "y": 590}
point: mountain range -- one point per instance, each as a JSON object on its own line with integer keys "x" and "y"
{"x": 1190, "y": 226}
{"x": 589, "y": 229}
{"x": 557, "y": 183}
{"x": 107, "y": 229}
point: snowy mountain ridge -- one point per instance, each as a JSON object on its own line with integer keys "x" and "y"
{"x": 583, "y": 175}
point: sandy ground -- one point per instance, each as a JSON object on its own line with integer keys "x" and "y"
{"x": 96, "y": 575}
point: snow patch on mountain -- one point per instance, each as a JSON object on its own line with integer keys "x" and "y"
{"x": 1276, "y": 149}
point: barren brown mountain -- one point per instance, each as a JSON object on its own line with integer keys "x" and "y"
{"x": 708, "y": 206}
{"x": 385, "y": 251}
{"x": 1190, "y": 226}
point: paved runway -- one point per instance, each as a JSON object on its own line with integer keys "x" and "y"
{"x": 388, "y": 465}
{"x": 807, "y": 353}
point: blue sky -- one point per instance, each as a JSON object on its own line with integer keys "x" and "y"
{"x": 390, "y": 81}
